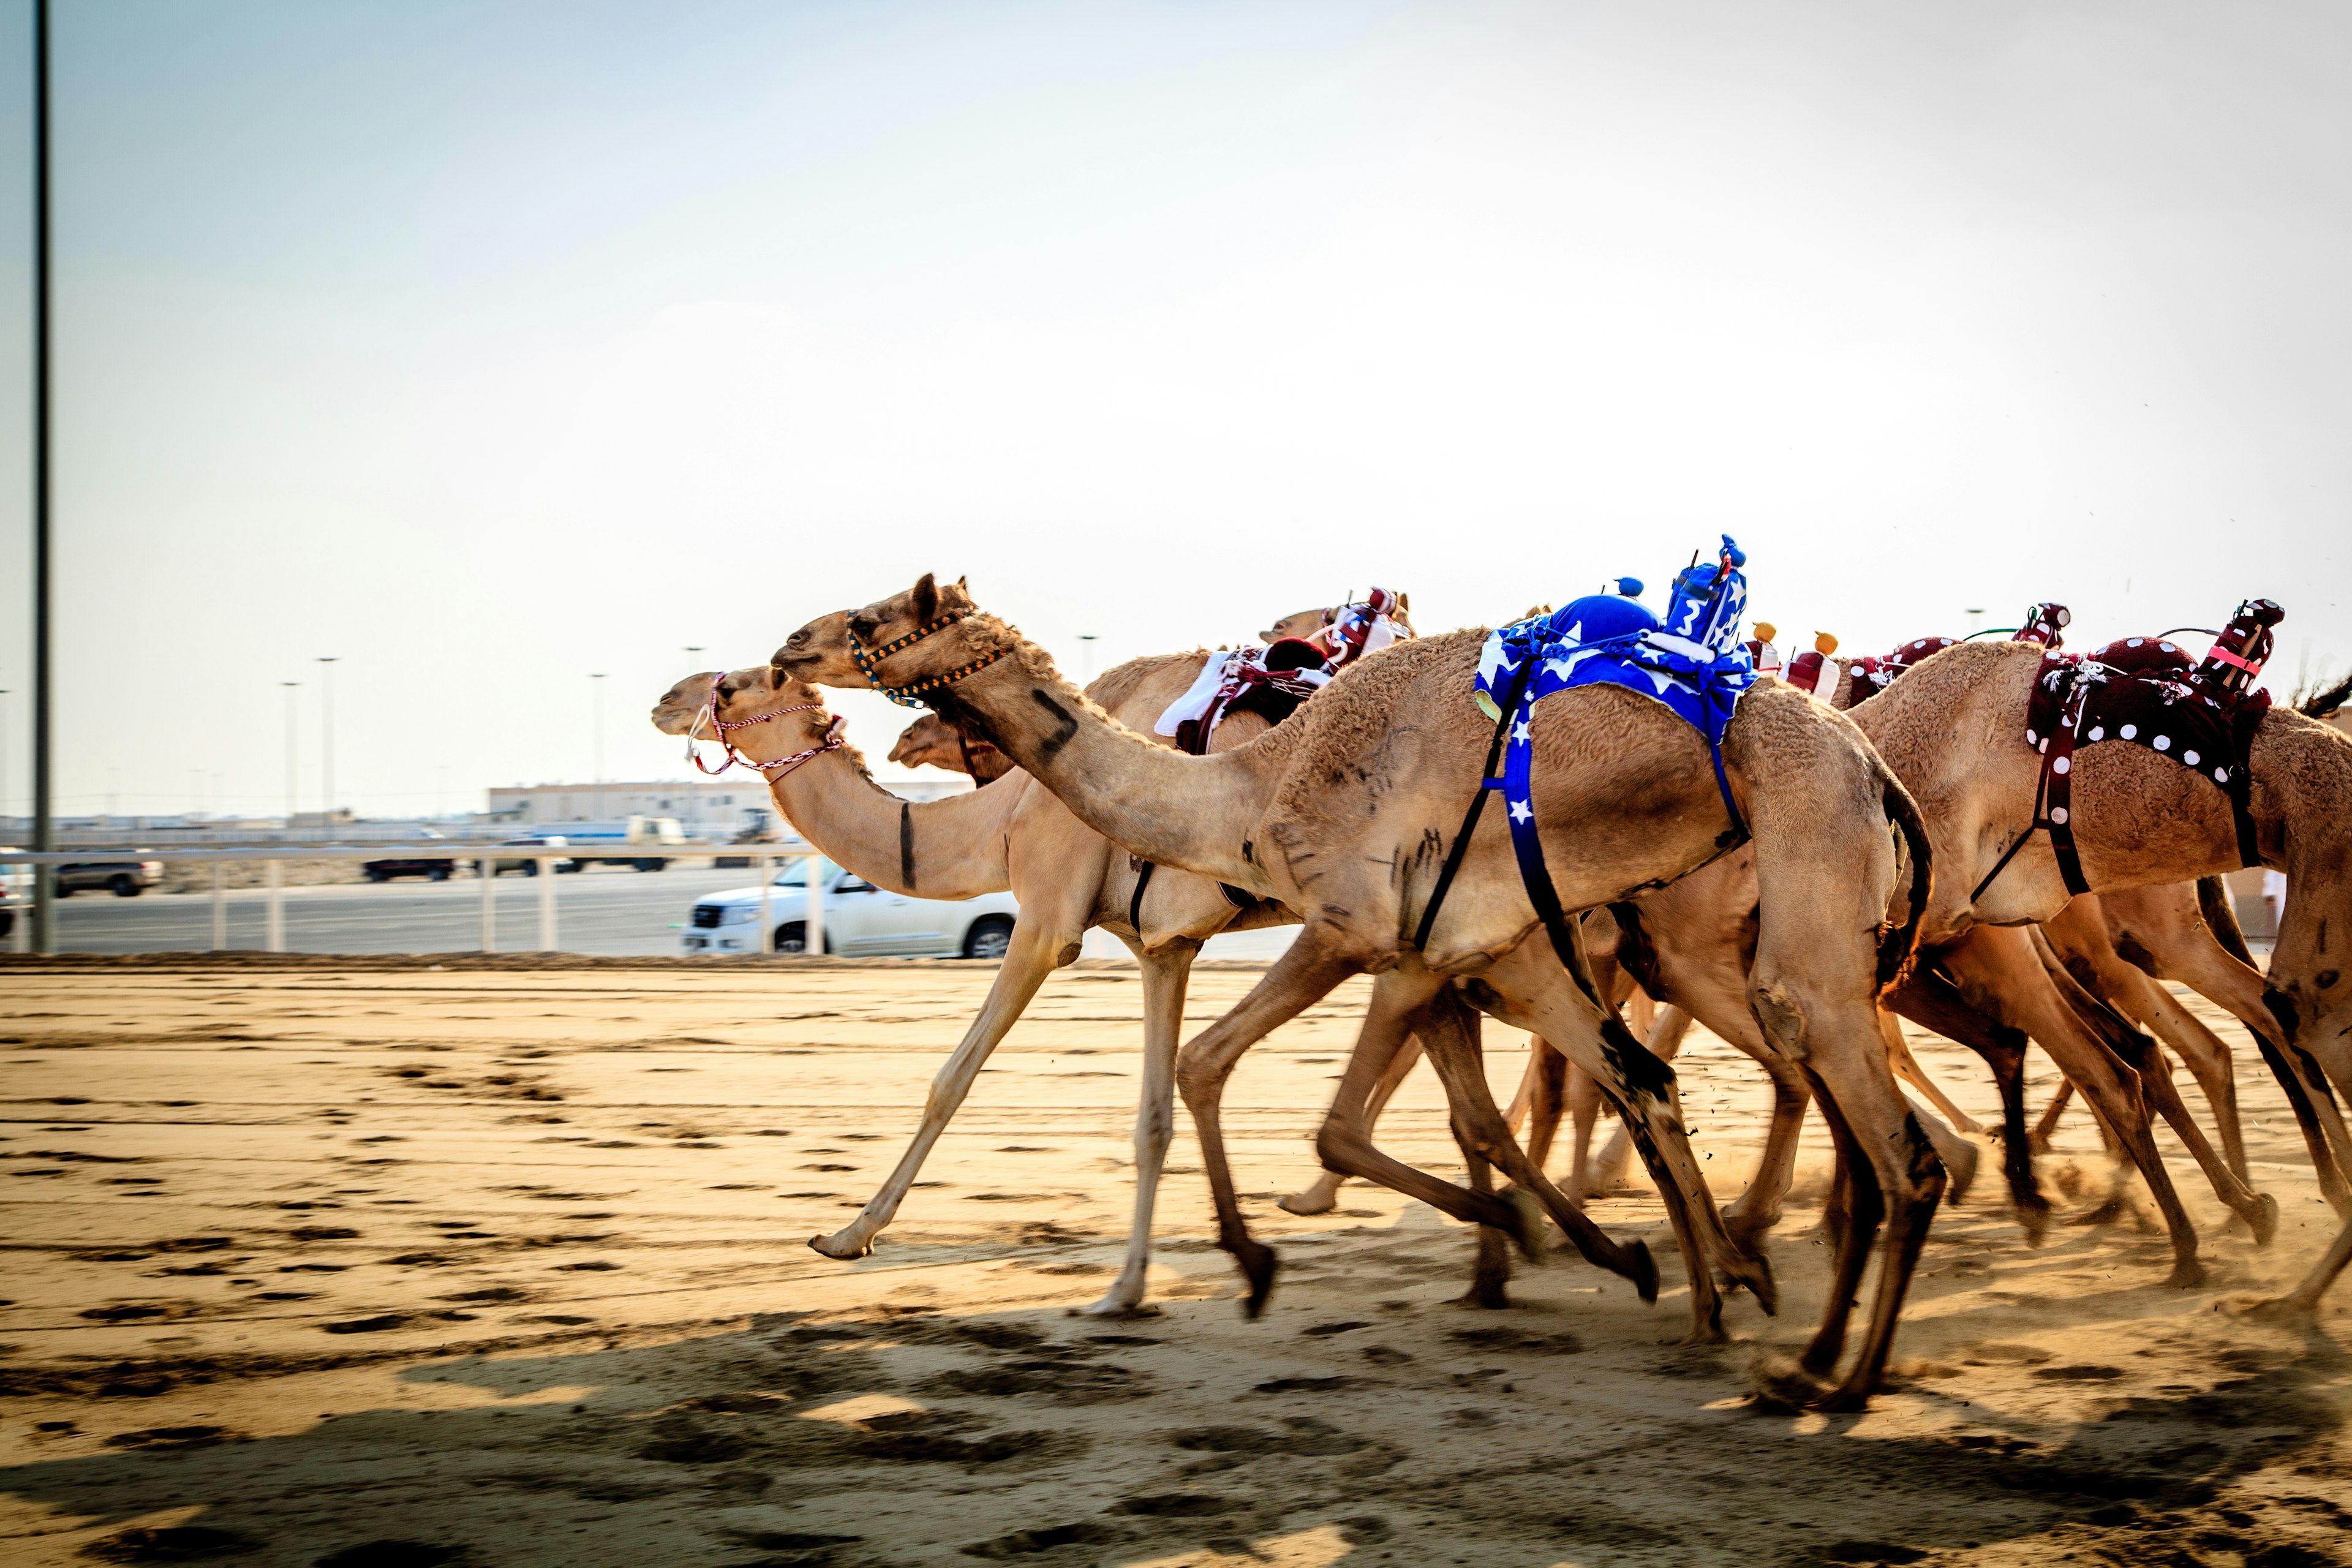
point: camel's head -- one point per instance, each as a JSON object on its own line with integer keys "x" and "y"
{"x": 824, "y": 652}
{"x": 1314, "y": 625}
{"x": 743, "y": 696}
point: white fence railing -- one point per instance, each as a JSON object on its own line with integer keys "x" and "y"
{"x": 544, "y": 857}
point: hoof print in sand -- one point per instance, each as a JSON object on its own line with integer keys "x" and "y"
{"x": 173, "y": 1543}
{"x": 395, "y": 1554}
{"x": 1023, "y": 1543}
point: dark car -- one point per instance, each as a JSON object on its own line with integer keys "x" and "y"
{"x": 385, "y": 870}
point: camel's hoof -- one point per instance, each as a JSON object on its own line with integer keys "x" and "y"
{"x": 1748, "y": 1233}
{"x": 1843, "y": 1400}
{"x": 1530, "y": 1226}
{"x": 1492, "y": 1293}
{"x": 1782, "y": 1387}
{"x": 1258, "y": 1266}
{"x": 1758, "y": 1278}
{"x": 1310, "y": 1202}
{"x": 1116, "y": 1308}
{"x": 2035, "y": 1222}
{"x": 2277, "y": 1309}
{"x": 1643, "y": 1270}
{"x": 1963, "y": 1173}
{"x": 2108, "y": 1212}
{"x": 838, "y": 1246}
{"x": 2187, "y": 1275}
{"x": 2263, "y": 1221}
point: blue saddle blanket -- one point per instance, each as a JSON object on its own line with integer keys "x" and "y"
{"x": 1691, "y": 661}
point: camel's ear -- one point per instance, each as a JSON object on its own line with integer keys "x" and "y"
{"x": 955, "y": 595}
{"x": 1404, "y": 603}
{"x": 926, "y": 605}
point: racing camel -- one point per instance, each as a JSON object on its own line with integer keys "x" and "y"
{"x": 1066, "y": 879}
{"x": 1348, "y": 813}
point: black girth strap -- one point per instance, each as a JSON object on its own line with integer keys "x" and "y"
{"x": 1487, "y": 779}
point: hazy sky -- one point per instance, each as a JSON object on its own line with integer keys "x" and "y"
{"x": 488, "y": 345}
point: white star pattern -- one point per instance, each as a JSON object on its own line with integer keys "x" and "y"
{"x": 1522, "y": 812}
{"x": 1520, "y": 734}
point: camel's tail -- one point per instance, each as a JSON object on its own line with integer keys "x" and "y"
{"x": 2325, "y": 702}
{"x": 2221, "y": 919}
{"x": 1897, "y": 943}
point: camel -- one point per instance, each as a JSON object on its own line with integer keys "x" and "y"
{"x": 928, "y": 742}
{"x": 1012, "y": 835}
{"x": 1346, "y": 814}
{"x": 1066, "y": 879}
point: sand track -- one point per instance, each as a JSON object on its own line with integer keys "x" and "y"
{"x": 502, "y": 1259}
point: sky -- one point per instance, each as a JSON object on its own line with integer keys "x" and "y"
{"x": 485, "y": 347}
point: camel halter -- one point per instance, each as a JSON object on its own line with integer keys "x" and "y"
{"x": 868, "y": 661}
{"x": 721, "y": 728}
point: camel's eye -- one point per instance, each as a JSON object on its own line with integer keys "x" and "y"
{"x": 801, "y": 636}
{"x": 865, "y": 627}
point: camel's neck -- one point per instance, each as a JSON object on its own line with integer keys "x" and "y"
{"x": 1191, "y": 813}
{"x": 951, "y": 848}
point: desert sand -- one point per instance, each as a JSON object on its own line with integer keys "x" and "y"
{"x": 401, "y": 1263}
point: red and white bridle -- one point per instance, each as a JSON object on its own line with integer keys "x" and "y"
{"x": 720, "y": 729}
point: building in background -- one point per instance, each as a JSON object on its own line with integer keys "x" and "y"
{"x": 705, "y": 809}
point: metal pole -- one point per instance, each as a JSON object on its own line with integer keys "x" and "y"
{"x": 487, "y": 868}
{"x": 326, "y": 744}
{"x": 274, "y": 939}
{"x": 43, "y": 828}
{"x": 546, "y": 904}
{"x": 812, "y": 923}
{"x": 293, "y": 766}
{"x": 220, "y": 907}
{"x": 767, "y": 895}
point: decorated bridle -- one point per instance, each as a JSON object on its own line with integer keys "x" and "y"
{"x": 721, "y": 727}
{"x": 868, "y": 661}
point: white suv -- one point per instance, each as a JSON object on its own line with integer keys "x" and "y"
{"x": 860, "y": 919}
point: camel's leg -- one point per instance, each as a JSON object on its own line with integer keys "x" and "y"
{"x": 2078, "y": 938}
{"x": 1929, "y": 999}
{"x": 1583, "y": 1097}
{"x": 2046, "y": 1127}
{"x": 2259, "y": 1210}
{"x": 2303, "y": 1299}
{"x": 1029, "y": 958}
{"x": 1758, "y": 1209}
{"x": 2165, "y": 933}
{"x": 1998, "y": 972}
{"x": 1669, "y": 1028}
{"x": 1527, "y": 987}
{"x": 1322, "y": 1195}
{"x": 1402, "y": 1000}
{"x": 1450, "y": 1031}
{"x": 1959, "y": 1156}
{"x": 1906, "y": 1067}
{"x": 1641, "y": 1014}
{"x": 1490, "y": 1278}
{"x": 1855, "y": 1210}
{"x": 1164, "y": 976}
{"x": 1303, "y": 975}
{"x": 1546, "y": 1078}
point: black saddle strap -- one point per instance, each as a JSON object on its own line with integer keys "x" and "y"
{"x": 1487, "y": 781}
{"x": 2053, "y": 793}
{"x": 1135, "y": 904}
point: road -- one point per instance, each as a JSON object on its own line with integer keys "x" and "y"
{"x": 604, "y": 914}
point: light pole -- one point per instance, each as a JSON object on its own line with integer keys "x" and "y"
{"x": 596, "y": 727}
{"x": 293, "y": 766}
{"x": 43, "y": 828}
{"x": 327, "y": 740}
{"x": 1086, "y": 647}
{"x": 4, "y": 800}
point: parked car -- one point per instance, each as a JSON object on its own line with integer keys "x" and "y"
{"x": 860, "y": 919}
{"x": 527, "y": 866}
{"x": 385, "y": 870}
{"x": 124, "y": 878}
{"x": 404, "y": 866}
